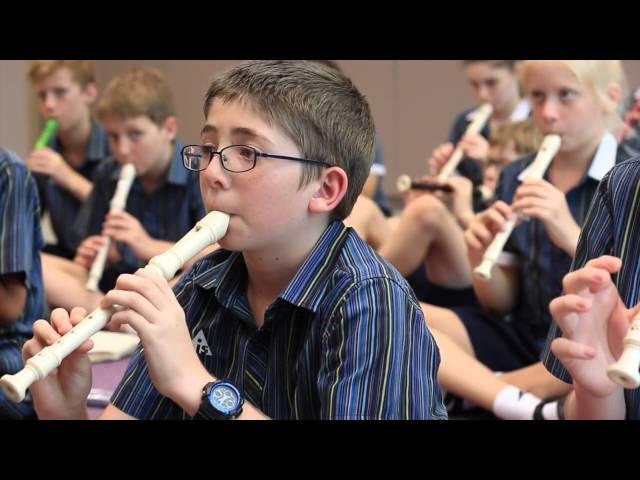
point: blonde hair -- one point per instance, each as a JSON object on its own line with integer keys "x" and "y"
{"x": 83, "y": 72}
{"x": 596, "y": 75}
{"x": 137, "y": 92}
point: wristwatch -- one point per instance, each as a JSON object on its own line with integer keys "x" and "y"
{"x": 221, "y": 400}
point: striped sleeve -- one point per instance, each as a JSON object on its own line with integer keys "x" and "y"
{"x": 18, "y": 208}
{"x": 379, "y": 361}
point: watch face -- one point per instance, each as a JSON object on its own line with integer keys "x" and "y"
{"x": 224, "y": 398}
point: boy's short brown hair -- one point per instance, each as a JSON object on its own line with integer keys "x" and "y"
{"x": 319, "y": 109}
{"x": 137, "y": 92}
{"x": 83, "y": 72}
{"x": 525, "y": 135}
{"x": 508, "y": 64}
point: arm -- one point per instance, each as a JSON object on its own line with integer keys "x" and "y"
{"x": 370, "y": 186}
{"x": 500, "y": 292}
{"x": 593, "y": 321}
{"x": 50, "y": 163}
{"x": 63, "y": 395}
{"x": 539, "y": 199}
{"x": 123, "y": 227}
{"x": 581, "y": 405}
{"x": 462, "y": 200}
{"x": 174, "y": 367}
{"x": 77, "y": 185}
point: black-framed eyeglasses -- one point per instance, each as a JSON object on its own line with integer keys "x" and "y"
{"x": 234, "y": 158}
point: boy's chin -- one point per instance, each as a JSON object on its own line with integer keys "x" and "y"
{"x": 228, "y": 244}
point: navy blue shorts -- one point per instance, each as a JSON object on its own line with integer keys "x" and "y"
{"x": 497, "y": 344}
{"x": 439, "y": 296}
{"x": 58, "y": 251}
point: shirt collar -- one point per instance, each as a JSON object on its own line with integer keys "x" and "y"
{"x": 225, "y": 272}
{"x": 603, "y": 161}
{"x": 97, "y": 147}
{"x": 605, "y": 157}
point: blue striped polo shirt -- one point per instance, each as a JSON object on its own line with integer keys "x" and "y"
{"x": 346, "y": 339}
{"x": 166, "y": 214}
{"x": 611, "y": 228}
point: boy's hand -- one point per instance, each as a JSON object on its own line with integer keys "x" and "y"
{"x": 63, "y": 393}
{"x": 88, "y": 250}
{"x": 539, "y": 199}
{"x": 475, "y": 146}
{"x": 48, "y": 162}
{"x": 593, "y": 321}
{"x": 439, "y": 158}
{"x": 153, "y": 311}
{"x": 483, "y": 228}
{"x": 124, "y": 227}
{"x": 411, "y": 194}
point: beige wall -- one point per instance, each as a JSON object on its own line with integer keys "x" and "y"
{"x": 413, "y": 102}
{"x": 14, "y": 106}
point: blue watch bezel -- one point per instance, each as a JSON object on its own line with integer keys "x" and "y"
{"x": 208, "y": 408}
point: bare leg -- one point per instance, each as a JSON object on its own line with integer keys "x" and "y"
{"x": 468, "y": 378}
{"x": 392, "y": 223}
{"x": 64, "y": 283}
{"x": 537, "y": 380}
{"x": 463, "y": 375}
{"x": 428, "y": 233}
{"x": 449, "y": 324}
{"x": 533, "y": 378}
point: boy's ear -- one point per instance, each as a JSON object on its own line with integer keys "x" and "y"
{"x": 91, "y": 92}
{"x": 332, "y": 188}
{"x": 614, "y": 92}
{"x": 171, "y": 126}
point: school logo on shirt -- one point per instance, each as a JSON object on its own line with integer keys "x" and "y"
{"x": 200, "y": 344}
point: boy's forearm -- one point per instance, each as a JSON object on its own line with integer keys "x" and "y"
{"x": 72, "y": 414}
{"x": 571, "y": 241}
{"x": 370, "y": 186}
{"x": 581, "y": 405}
{"x": 78, "y": 186}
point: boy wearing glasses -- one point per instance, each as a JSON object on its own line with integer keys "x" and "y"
{"x": 138, "y": 113}
{"x": 294, "y": 317}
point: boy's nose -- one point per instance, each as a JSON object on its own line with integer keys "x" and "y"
{"x": 49, "y": 103}
{"x": 549, "y": 110}
{"x": 484, "y": 93}
{"x": 214, "y": 173}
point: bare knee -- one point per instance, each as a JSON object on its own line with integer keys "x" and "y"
{"x": 427, "y": 211}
